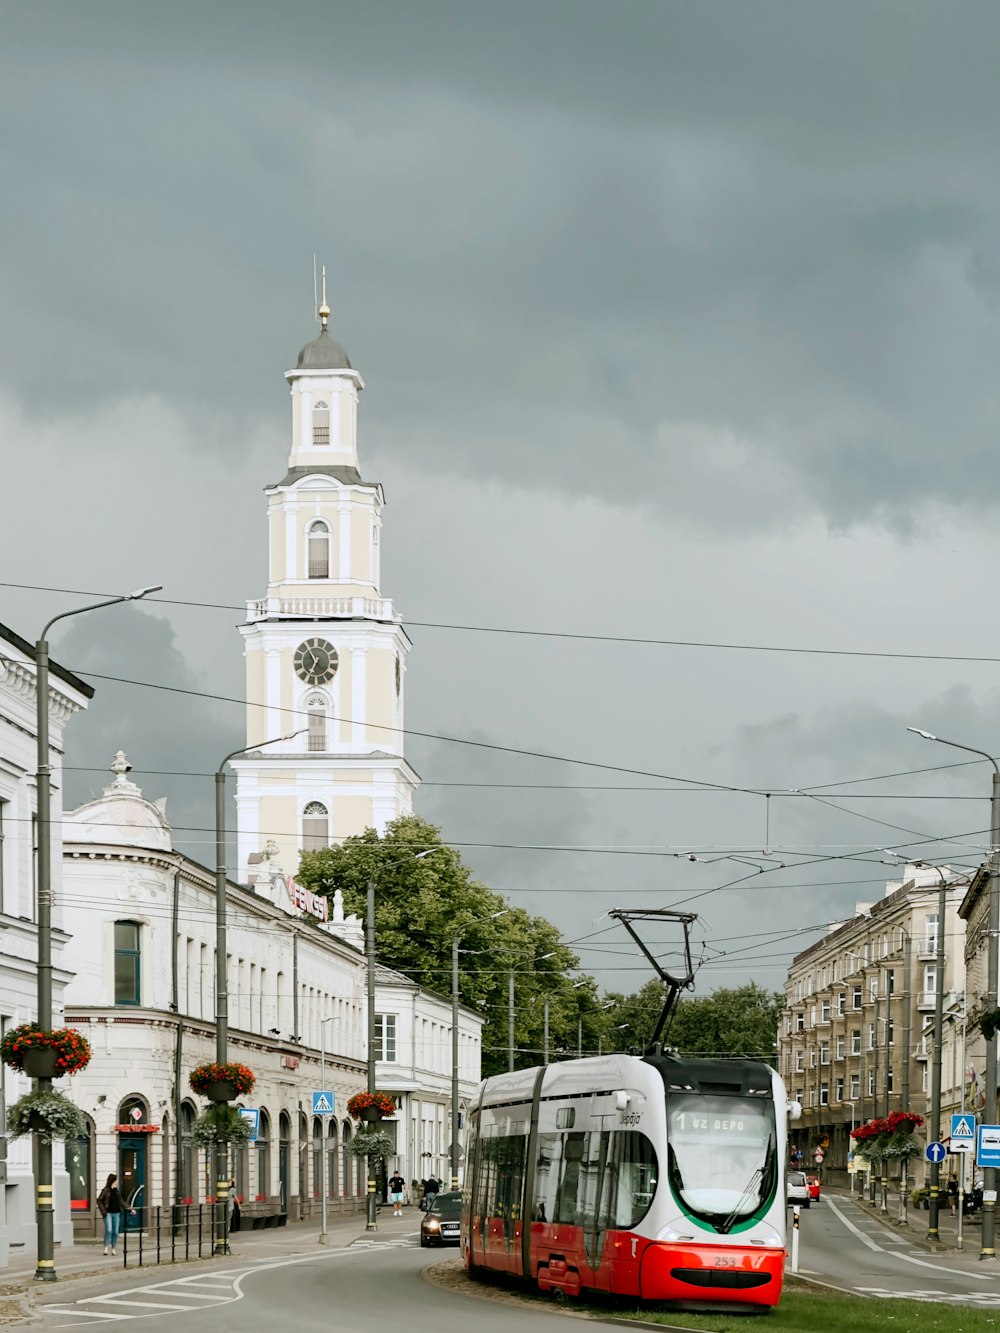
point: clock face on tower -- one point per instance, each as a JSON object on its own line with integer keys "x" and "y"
{"x": 316, "y": 661}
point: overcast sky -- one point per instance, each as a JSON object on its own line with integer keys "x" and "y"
{"x": 678, "y": 322}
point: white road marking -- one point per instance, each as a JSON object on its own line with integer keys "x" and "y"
{"x": 227, "y": 1290}
{"x": 909, "y": 1258}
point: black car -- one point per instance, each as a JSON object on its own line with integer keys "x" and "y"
{"x": 440, "y": 1224}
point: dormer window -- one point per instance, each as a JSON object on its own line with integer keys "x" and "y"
{"x": 318, "y": 541}
{"x": 321, "y": 423}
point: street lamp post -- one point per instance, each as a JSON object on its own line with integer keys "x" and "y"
{"x": 45, "y": 1270}
{"x": 988, "y": 1244}
{"x": 372, "y": 1207}
{"x": 850, "y": 1141}
{"x": 221, "y": 1245}
{"x": 323, "y": 1177}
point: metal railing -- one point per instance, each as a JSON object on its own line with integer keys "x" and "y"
{"x": 168, "y": 1235}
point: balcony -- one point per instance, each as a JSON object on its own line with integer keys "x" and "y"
{"x": 925, "y": 1000}
{"x": 322, "y": 608}
{"x": 926, "y": 950}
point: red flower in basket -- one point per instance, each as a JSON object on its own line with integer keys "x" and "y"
{"x": 202, "y": 1078}
{"x": 71, "y": 1048}
{"x": 363, "y": 1101}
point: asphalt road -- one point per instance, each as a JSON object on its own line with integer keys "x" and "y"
{"x": 843, "y": 1244}
{"x": 371, "y": 1284}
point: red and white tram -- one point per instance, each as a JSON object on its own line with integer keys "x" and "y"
{"x": 655, "y": 1177}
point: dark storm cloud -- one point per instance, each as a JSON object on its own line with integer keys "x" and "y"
{"x": 160, "y": 732}
{"x": 739, "y": 251}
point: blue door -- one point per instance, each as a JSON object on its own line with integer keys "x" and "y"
{"x": 132, "y": 1178}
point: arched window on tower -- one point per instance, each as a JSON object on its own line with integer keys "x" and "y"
{"x": 321, "y": 423}
{"x": 319, "y": 549}
{"x": 315, "y": 827}
{"x": 316, "y": 709}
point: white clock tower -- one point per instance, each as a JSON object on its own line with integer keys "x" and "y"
{"x": 325, "y": 652}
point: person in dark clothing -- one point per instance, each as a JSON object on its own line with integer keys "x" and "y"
{"x": 431, "y": 1188}
{"x": 110, "y": 1206}
{"x": 234, "y": 1208}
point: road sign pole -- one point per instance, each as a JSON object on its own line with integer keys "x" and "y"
{"x": 960, "y": 1239}
{"x": 795, "y": 1238}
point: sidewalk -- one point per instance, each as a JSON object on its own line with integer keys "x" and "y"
{"x": 84, "y": 1259}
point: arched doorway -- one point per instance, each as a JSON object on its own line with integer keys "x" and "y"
{"x": 284, "y": 1154}
{"x": 133, "y": 1160}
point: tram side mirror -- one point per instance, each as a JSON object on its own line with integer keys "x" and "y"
{"x": 621, "y": 1100}
{"x": 794, "y": 1110}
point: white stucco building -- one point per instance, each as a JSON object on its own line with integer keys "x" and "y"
{"x": 18, "y": 915}
{"x": 414, "y": 1063}
{"x": 325, "y": 651}
{"x": 142, "y": 918}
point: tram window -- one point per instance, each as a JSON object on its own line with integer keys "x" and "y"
{"x": 566, "y": 1117}
{"x": 547, "y": 1170}
{"x": 631, "y": 1179}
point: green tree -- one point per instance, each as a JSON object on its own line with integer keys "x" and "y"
{"x": 422, "y": 904}
{"x": 731, "y": 1022}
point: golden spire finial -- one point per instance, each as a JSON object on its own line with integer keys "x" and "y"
{"x": 324, "y": 309}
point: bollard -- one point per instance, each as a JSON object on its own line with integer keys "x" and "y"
{"x": 795, "y": 1238}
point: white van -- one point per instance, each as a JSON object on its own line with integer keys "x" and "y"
{"x": 796, "y": 1189}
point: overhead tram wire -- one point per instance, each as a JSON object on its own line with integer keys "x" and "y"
{"x": 575, "y": 636}
{"x": 802, "y": 792}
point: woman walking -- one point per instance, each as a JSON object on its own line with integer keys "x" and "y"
{"x": 109, "y": 1202}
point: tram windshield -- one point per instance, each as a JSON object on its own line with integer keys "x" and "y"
{"x": 721, "y": 1155}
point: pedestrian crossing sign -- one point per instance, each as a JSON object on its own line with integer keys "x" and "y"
{"x": 963, "y": 1128}
{"x": 322, "y": 1103}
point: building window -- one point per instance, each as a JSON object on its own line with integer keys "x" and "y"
{"x": 873, "y": 988}
{"x": 79, "y": 1156}
{"x": 930, "y": 983}
{"x": 385, "y": 1037}
{"x": 824, "y": 1054}
{"x": 931, "y": 933}
{"x": 840, "y": 1090}
{"x": 315, "y": 827}
{"x": 318, "y": 540}
{"x": 856, "y": 1041}
{"x": 812, "y": 1057}
{"x": 841, "y": 1003}
{"x": 263, "y": 1157}
{"x": 800, "y": 1022}
{"x": 127, "y": 976}
{"x": 824, "y": 1094}
{"x": 316, "y": 709}
{"x": 856, "y": 998}
{"x": 871, "y": 1082}
{"x": 888, "y": 1080}
{"x": 825, "y": 1012}
{"x": 855, "y": 1086}
{"x": 871, "y": 1036}
{"x": 799, "y": 1062}
{"x": 841, "y": 1044}
{"x": 888, "y": 1031}
{"x": 890, "y": 982}
{"x": 321, "y": 423}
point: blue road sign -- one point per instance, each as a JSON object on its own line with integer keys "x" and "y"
{"x": 963, "y": 1127}
{"x": 988, "y": 1146}
{"x": 322, "y": 1103}
{"x": 251, "y": 1114}
{"x": 935, "y": 1152}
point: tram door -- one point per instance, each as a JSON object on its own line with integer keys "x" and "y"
{"x": 596, "y": 1209}
{"x": 132, "y": 1178}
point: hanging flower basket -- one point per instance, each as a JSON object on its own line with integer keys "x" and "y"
{"x": 371, "y": 1106}
{"x": 891, "y": 1139}
{"x": 50, "y": 1115}
{"x": 373, "y": 1143}
{"x": 220, "y": 1124}
{"x": 222, "y": 1083}
{"x": 45, "y": 1053}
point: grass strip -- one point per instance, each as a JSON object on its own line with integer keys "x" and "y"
{"x": 807, "y": 1309}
